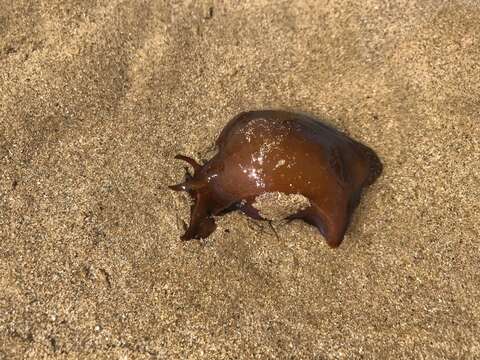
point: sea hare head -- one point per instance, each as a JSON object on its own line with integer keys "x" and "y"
{"x": 268, "y": 155}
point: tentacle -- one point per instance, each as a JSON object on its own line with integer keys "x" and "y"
{"x": 189, "y": 185}
{"x": 196, "y": 166}
{"x": 178, "y": 187}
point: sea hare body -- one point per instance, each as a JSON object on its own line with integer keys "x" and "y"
{"x": 262, "y": 152}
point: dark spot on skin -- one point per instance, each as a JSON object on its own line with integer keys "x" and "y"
{"x": 278, "y": 151}
{"x": 14, "y": 184}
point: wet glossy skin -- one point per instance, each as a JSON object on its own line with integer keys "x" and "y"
{"x": 278, "y": 151}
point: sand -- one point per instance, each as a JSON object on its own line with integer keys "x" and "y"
{"x": 96, "y": 98}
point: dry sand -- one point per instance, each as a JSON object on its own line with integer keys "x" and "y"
{"x": 96, "y": 98}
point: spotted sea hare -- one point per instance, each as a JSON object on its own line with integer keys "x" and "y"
{"x": 262, "y": 154}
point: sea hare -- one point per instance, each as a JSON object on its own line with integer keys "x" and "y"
{"x": 266, "y": 154}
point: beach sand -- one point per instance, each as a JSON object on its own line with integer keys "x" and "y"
{"x": 96, "y": 99}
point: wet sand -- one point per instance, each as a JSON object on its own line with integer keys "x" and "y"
{"x": 97, "y": 97}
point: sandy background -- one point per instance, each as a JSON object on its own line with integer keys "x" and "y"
{"x": 96, "y": 97}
